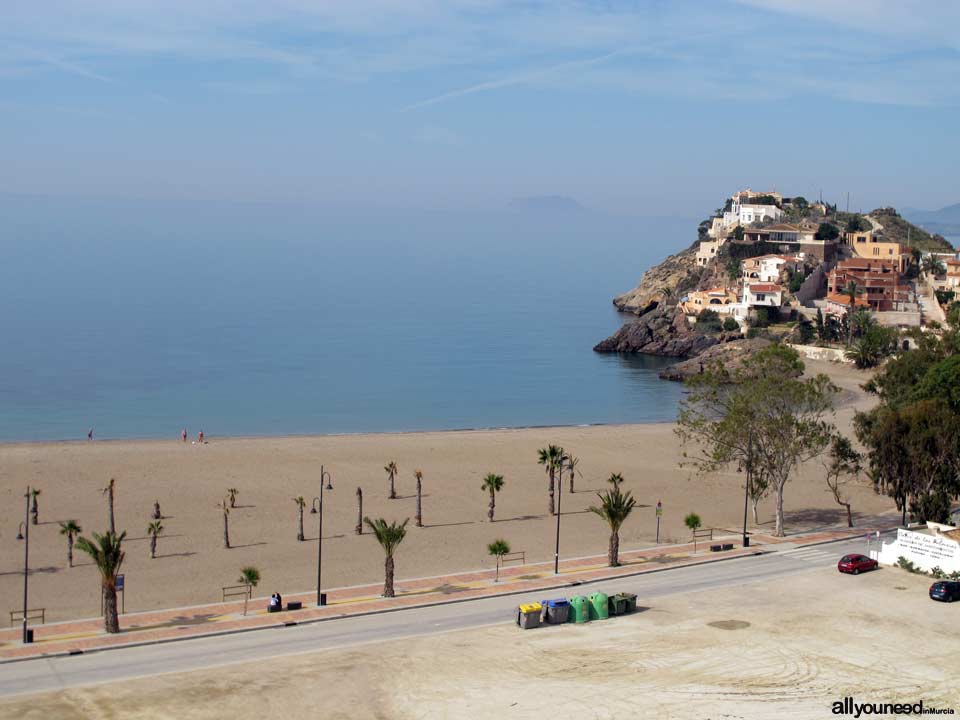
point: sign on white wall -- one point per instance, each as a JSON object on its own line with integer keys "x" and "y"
{"x": 924, "y": 551}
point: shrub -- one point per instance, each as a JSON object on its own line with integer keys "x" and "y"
{"x": 729, "y": 324}
{"x": 753, "y": 332}
{"x": 907, "y": 565}
{"x": 938, "y": 572}
{"x": 857, "y": 224}
{"x": 826, "y": 231}
{"x": 708, "y": 321}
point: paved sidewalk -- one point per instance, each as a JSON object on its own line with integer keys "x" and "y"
{"x": 181, "y": 623}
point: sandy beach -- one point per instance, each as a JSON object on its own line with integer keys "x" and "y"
{"x": 189, "y": 480}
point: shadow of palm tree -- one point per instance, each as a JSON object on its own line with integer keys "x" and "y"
{"x": 35, "y": 571}
{"x": 452, "y": 524}
{"x": 325, "y": 537}
{"x": 172, "y": 555}
{"x": 237, "y": 547}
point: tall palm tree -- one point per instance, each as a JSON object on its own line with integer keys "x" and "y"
{"x": 108, "y": 491}
{"x": 107, "y": 554}
{"x": 615, "y": 479}
{"x": 225, "y": 507}
{"x": 572, "y": 463}
{"x": 389, "y": 537}
{"x": 615, "y": 507}
{"x": 493, "y": 484}
{"x": 498, "y": 548}
{"x": 418, "y": 474}
{"x": 860, "y": 320}
{"x": 35, "y": 511}
{"x": 154, "y": 529}
{"x": 552, "y": 458}
{"x": 157, "y": 515}
{"x": 300, "y": 503}
{"x": 932, "y": 265}
{"x": 70, "y": 528}
{"x": 232, "y": 494}
{"x": 250, "y": 577}
{"x": 391, "y": 470}
{"x": 359, "y": 527}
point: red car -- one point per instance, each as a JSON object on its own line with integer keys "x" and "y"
{"x": 856, "y": 564}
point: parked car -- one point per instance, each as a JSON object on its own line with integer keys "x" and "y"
{"x": 945, "y": 591}
{"x": 856, "y": 564}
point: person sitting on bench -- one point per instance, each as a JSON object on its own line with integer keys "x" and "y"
{"x": 274, "y": 603}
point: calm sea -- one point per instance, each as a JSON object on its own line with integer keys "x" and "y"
{"x": 140, "y": 319}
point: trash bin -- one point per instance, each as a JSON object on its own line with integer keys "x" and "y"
{"x": 579, "y": 609}
{"x": 630, "y": 602}
{"x": 528, "y": 615}
{"x": 598, "y": 606}
{"x": 29, "y": 638}
{"x": 617, "y": 604}
{"x": 556, "y": 611}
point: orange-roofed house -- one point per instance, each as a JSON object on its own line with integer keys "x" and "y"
{"x": 838, "y": 304}
{"x": 762, "y": 294}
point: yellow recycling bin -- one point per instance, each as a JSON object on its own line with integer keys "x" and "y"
{"x": 528, "y": 615}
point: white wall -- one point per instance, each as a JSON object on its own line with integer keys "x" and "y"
{"x": 925, "y": 551}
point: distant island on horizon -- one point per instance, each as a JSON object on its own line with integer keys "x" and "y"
{"x": 546, "y": 203}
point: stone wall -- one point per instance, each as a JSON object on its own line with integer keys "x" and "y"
{"x": 815, "y": 352}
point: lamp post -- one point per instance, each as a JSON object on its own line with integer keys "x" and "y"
{"x": 24, "y": 534}
{"x": 746, "y": 489}
{"x": 317, "y": 509}
{"x": 556, "y": 552}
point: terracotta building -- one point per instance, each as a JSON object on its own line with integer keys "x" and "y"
{"x": 879, "y": 281}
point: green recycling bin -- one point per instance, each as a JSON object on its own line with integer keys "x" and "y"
{"x": 617, "y": 604}
{"x": 599, "y": 609}
{"x": 579, "y": 609}
{"x": 631, "y": 602}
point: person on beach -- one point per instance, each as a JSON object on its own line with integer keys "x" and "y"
{"x": 183, "y": 434}
{"x": 200, "y": 437}
{"x": 90, "y": 434}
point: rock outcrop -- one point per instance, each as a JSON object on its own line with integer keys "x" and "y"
{"x": 730, "y": 354}
{"x": 661, "y": 331}
{"x": 662, "y": 283}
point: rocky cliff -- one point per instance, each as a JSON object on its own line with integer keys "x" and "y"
{"x": 730, "y": 354}
{"x": 661, "y": 331}
{"x": 663, "y": 282}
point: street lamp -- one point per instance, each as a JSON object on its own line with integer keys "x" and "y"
{"x": 317, "y": 509}
{"x": 746, "y": 488}
{"x": 23, "y": 533}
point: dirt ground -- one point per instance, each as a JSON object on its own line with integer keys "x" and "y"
{"x": 189, "y": 480}
{"x": 786, "y": 648}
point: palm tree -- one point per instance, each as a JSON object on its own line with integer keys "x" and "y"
{"x": 70, "y": 528}
{"x": 498, "y": 548}
{"x": 615, "y": 479}
{"x": 108, "y": 491}
{"x": 572, "y": 463}
{"x": 860, "y": 320}
{"x": 232, "y": 494}
{"x": 107, "y": 554}
{"x": 552, "y": 458}
{"x": 359, "y": 527}
{"x": 154, "y": 530}
{"x": 250, "y": 577}
{"x": 157, "y": 515}
{"x": 35, "y": 511}
{"x": 615, "y": 507}
{"x": 225, "y": 507}
{"x": 418, "y": 474}
{"x": 493, "y": 484}
{"x": 932, "y": 265}
{"x": 391, "y": 469}
{"x": 300, "y": 503}
{"x": 389, "y": 537}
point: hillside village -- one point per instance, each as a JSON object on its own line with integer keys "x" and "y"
{"x": 771, "y": 266}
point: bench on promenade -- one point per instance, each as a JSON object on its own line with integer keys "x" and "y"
{"x": 16, "y": 616}
{"x": 721, "y": 547}
{"x": 517, "y": 557}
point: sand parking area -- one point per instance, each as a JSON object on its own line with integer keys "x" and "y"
{"x": 783, "y": 648}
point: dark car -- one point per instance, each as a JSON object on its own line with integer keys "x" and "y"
{"x": 945, "y": 591}
{"x": 856, "y": 564}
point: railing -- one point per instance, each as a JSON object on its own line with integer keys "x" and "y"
{"x": 232, "y": 591}
{"x": 32, "y": 616}
{"x": 518, "y": 557}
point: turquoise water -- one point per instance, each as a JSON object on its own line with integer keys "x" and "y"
{"x": 139, "y": 319}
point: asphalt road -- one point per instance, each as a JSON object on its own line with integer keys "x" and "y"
{"x": 50, "y": 674}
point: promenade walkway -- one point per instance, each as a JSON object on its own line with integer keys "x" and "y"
{"x": 534, "y": 580}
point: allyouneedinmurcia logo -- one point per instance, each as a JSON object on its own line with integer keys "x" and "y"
{"x": 848, "y": 706}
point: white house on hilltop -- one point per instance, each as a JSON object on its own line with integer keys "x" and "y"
{"x": 767, "y": 268}
{"x": 762, "y": 294}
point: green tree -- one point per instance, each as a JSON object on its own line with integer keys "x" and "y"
{"x": 389, "y": 536}
{"x": 552, "y": 458}
{"x": 933, "y": 266}
{"x": 730, "y": 324}
{"x": 827, "y": 232}
{"x": 250, "y": 577}
{"x": 70, "y": 528}
{"x": 876, "y": 344}
{"x": 615, "y": 507}
{"x": 857, "y": 224}
{"x": 391, "y": 469}
{"x": 498, "y": 548}
{"x": 693, "y": 523}
{"x": 842, "y": 464}
{"x": 761, "y": 412}
{"x": 301, "y": 503}
{"x": 493, "y": 484}
{"x": 154, "y": 529}
{"x": 107, "y": 554}
{"x": 572, "y": 463}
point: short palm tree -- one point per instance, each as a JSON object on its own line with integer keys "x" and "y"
{"x": 250, "y": 577}
{"x": 932, "y": 265}
{"x": 418, "y": 520}
{"x": 493, "y": 484}
{"x": 389, "y": 537}
{"x": 552, "y": 458}
{"x": 615, "y": 479}
{"x": 232, "y": 494}
{"x": 615, "y": 507}
{"x": 391, "y": 470}
{"x": 70, "y": 528}
{"x": 300, "y": 503}
{"x": 225, "y": 507}
{"x": 35, "y": 511}
{"x": 359, "y": 526}
{"x": 107, "y": 554}
{"x": 108, "y": 491}
{"x": 498, "y": 548}
{"x": 860, "y": 320}
{"x": 154, "y": 530}
{"x": 572, "y": 463}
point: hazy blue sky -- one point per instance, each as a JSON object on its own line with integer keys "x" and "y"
{"x": 636, "y": 107}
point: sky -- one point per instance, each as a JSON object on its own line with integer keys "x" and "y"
{"x": 657, "y": 107}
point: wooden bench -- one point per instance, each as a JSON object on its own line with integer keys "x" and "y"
{"x": 16, "y": 616}
{"x": 518, "y": 557}
{"x": 720, "y": 548}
